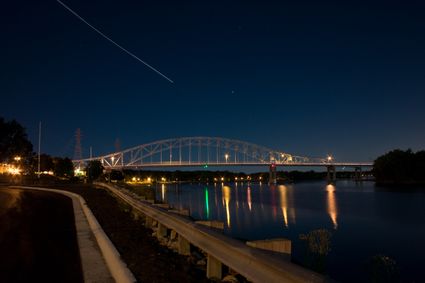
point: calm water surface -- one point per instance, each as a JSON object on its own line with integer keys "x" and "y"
{"x": 364, "y": 221}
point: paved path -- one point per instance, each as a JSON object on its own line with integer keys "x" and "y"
{"x": 38, "y": 240}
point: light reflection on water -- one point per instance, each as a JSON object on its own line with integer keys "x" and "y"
{"x": 248, "y": 198}
{"x": 331, "y": 204}
{"x": 163, "y": 192}
{"x": 287, "y": 205}
{"x": 226, "y": 201}
{"x": 363, "y": 222}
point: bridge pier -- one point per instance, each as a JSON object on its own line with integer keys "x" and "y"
{"x": 331, "y": 176}
{"x": 272, "y": 174}
{"x": 358, "y": 173}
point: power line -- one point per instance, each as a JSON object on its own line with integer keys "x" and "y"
{"x": 113, "y": 42}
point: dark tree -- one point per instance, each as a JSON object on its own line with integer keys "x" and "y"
{"x": 13, "y": 141}
{"x": 419, "y": 167}
{"x": 46, "y": 162}
{"x": 63, "y": 167}
{"x": 116, "y": 175}
{"x": 94, "y": 169}
{"x": 400, "y": 167}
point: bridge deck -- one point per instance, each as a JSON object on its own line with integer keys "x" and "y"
{"x": 197, "y": 164}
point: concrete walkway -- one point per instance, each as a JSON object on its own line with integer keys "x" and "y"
{"x": 100, "y": 260}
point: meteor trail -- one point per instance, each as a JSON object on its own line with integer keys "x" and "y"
{"x": 113, "y": 42}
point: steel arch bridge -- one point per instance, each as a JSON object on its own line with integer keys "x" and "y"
{"x": 204, "y": 151}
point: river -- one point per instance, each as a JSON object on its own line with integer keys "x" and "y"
{"x": 364, "y": 221}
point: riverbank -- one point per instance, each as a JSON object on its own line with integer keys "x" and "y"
{"x": 145, "y": 257}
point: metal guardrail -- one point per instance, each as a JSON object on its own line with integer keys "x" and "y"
{"x": 252, "y": 263}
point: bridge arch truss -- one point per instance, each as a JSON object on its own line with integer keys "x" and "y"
{"x": 199, "y": 151}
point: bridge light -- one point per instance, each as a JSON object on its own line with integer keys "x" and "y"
{"x": 329, "y": 158}
{"x": 226, "y": 156}
{"x": 149, "y": 179}
{"x": 206, "y": 166}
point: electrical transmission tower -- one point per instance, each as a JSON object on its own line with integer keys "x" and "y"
{"x": 78, "y": 151}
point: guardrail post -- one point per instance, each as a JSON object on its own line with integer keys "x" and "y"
{"x": 135, "y": 214}
{"x": 183, "y": 245}
{"x": 162, "y": 231}
{"x": 213, "y": 267}
{"x": 148, "y": 222}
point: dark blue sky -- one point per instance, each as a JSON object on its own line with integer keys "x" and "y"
{"x": 308, "y": 77}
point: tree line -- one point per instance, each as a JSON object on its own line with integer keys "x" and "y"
{"x": 14, "y": 143}
{"x": 400, "y": 167}
{"x": 394, "y": 167}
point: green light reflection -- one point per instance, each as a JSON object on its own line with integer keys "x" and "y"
{"x": 207, "y": 207}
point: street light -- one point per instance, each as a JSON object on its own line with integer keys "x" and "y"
{"x": 226, "y": 156}
{"x": 17, "y": 158}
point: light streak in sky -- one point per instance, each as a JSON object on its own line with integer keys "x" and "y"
{"x": 113, "y": 42}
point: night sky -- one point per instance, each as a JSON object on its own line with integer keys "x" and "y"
{"x": 311, "y": 78}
